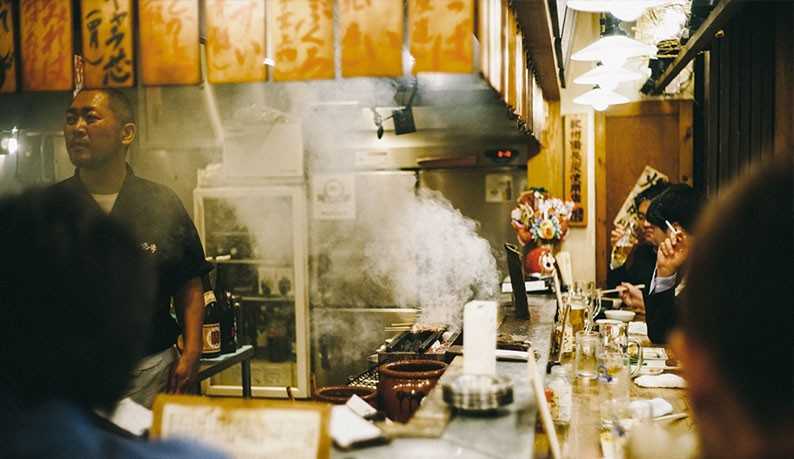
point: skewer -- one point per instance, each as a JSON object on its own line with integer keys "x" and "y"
{"x": 614, "y": 290}
{"x": 671, "y": 417}
{"x": 402, "y": 324}
{"x": 545, "y": 411}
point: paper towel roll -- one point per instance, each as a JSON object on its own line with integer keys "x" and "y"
{"x": 479, "y": 338}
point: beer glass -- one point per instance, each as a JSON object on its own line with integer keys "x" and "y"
{"x": 586, "y": 360}
{"x": 613, "y": 335}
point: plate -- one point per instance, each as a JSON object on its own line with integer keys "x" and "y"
{"x": 619, "y": 314}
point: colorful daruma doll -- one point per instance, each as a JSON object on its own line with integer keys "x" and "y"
{"x": 539, "y": 261}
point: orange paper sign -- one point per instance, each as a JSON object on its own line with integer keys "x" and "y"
{"x": 107, "y": 44}
{"x": 8, "y": 58}
{"x": 441, "y": 35}
{"x": 236, "y": 49}
{"x": 303, "y": 39}
{"x": 169, "y": 36}
{"x": 372, "y": 37}
{"x": 46, "y": 27}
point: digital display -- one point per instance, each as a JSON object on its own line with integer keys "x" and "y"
{"x": 502, "y": 155}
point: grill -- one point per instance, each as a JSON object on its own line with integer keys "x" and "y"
{"x": 368, "y": 378}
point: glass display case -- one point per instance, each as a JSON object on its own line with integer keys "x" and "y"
{"x": 262, "y": 230}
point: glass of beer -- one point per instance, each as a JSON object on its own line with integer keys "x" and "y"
{"x": 587, "y": 346}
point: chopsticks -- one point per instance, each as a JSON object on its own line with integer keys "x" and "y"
{"x": 671, "y": 417}
{"x": 614, "y": 290}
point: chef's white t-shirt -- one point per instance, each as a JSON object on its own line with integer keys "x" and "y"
{"x": 105, "y": 201}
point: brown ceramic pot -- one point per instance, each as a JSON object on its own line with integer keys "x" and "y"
{"x": 338, "y": 395}
{"x": 404, "y": 383}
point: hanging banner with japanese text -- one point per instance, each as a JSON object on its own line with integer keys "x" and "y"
{"x": 169, "y": 41}
{"x": 236, "y": 49}
{"x": 46, "y": 36}
{"x": 107, "y": 43}
{"x": 575, "y": 138}
{"x": 8, "y": 57}
{"x": 441, "y": 35}
{"x": 303, "y": 39}
{"x": 372, "y": 37}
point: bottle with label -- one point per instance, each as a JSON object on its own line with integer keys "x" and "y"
{"x": 211, "y": 330}
{"x": 559, "y": 394}
{"x": 227, "y": 314}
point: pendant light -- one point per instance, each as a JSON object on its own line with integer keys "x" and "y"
{"x": 625, "y": 10}
{"x": 613, "y": 50}
{"x": 600, "y": 99}
{"x": 607, "y": 77}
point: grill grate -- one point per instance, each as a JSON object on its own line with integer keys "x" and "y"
{"x": 368, "y": 379}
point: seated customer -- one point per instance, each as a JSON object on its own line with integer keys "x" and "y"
{"x": 678, "y": 206}
{"x": 74, "y": 289}
{"x": 735, "y": 334}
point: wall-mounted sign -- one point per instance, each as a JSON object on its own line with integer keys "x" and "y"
{"x": 334, "y": 196}
{"x": 303, "y": 39}
{"x": 46, "y": 32}
{"x": 372, "y": 37}
{"x": 8, "y": 57}
{"x": 482, "y": 36}
{"x": 236, "y": 48}
{"x": 498, "y": 188}
{"x": 576, "y": 166}
{"x": 169, "y": 37}
{"x": 441, "y": 35}
{"x": 108, "y": 53}
{"x": 647, "y": 179}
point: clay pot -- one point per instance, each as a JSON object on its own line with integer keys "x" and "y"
{"x": 403, "y": 385}
{"x": 338, "y": 395}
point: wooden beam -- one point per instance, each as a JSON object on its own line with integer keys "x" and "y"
{"x": 700, "y": 40}
{"x": 535, "y": 20}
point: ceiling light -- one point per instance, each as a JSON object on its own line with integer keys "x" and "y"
{"x": 613, "y": 50}
{"x": 607, "y": 77}
{"x": 600, "y": 98}
{"x": 625, "y": 10}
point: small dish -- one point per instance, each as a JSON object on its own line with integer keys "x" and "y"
{"x": 619, "y": 314}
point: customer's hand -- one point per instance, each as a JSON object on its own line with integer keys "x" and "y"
{"x": 672, "y": 253}
{"x": 183, "y": 373}
{"x": 616, "y": 234}
{"x": 632, "y": 297}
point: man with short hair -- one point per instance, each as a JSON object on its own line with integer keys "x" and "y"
{"x": 77, "y": 299}
{"x": 735, "y": 333}
{"x": 99, "y": 129}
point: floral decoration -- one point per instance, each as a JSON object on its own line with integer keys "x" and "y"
{"x": 539, "y": 219}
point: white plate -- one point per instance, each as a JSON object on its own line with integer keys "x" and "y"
{"x": 618, "y": 314}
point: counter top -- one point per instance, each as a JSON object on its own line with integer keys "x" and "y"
{"x": 508, "y": 434}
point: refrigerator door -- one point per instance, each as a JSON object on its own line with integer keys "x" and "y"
{"x": 484, "y": 195}
{"x": 263, "y": 230}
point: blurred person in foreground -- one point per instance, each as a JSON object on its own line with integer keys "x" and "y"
{"x": 735, "y": 333}
{"x": 641, "y": 262}
{"x": 679, "y": 206}
{"x": 77, "y": 300}
{"x": 99, "y": 129}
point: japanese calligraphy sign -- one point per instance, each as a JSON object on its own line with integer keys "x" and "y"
{"x": 46, "y": 32}
{"x": 236, "y": 49}
{"x": 107, "y": 44}
{"x": 303, "y": 39}
{"x": 575, "y": 138}
{"x": 372, "y": 37}
{"x": 628, "y": 212}
{"x": 441, "y": 35}
{"x": 169, "y": 37}
{"x": 8, "y": 58}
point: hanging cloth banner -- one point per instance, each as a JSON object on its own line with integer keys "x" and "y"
{"x": 169, "y": 38}
{"x": 8, "y": 58}
{"x": 107, "y": 44}
{"x": 303, "y": 39}
{"x": 46, "y": 27}
{"x": 236, "y": 49}
{"x": 441, "y": 35}
{"x": 372, "y": 37}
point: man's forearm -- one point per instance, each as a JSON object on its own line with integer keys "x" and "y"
{"x": 191, "y": 301}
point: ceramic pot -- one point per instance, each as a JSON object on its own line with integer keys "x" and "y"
{"x": 403, "y": 385}
{"x": 338, "y": 395}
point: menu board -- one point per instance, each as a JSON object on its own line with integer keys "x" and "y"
{"x": 372, "y": 37}
{"x": 303, "y": 39}
{"x": 46, "y": 33}
{"x": 8, "y": 57}
{"x": 108, "y": 54}
{"x": 246, "y": 428}
{"x": 576, "y": 166}
{"x": 169, "y": 40}
{"x": 236, "y": 49}
{"x": 441, "y": 35}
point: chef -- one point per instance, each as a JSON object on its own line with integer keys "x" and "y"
{"x": 99, "y": 129}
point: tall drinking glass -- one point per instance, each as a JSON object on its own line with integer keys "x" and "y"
{"x": 587, "y": 347}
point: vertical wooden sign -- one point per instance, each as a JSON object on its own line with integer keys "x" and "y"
{"x": 303, "y": 39}
{"x": 8, "y": 57}
{"x": 236, "y": 48}
{"x": 510, "y": 68}
{"x": 46, "y": 31}
{"x": 107, "y": 44}
{"x": 519, "y": 72}
{"x": 482, "y": 35}
{"x": 169, "y": 42}
{"x": 576, "y": 166}
{"x": 495, "y": 43}
{"x": 441, "y": 35}
{"x": 372, "y": 37}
